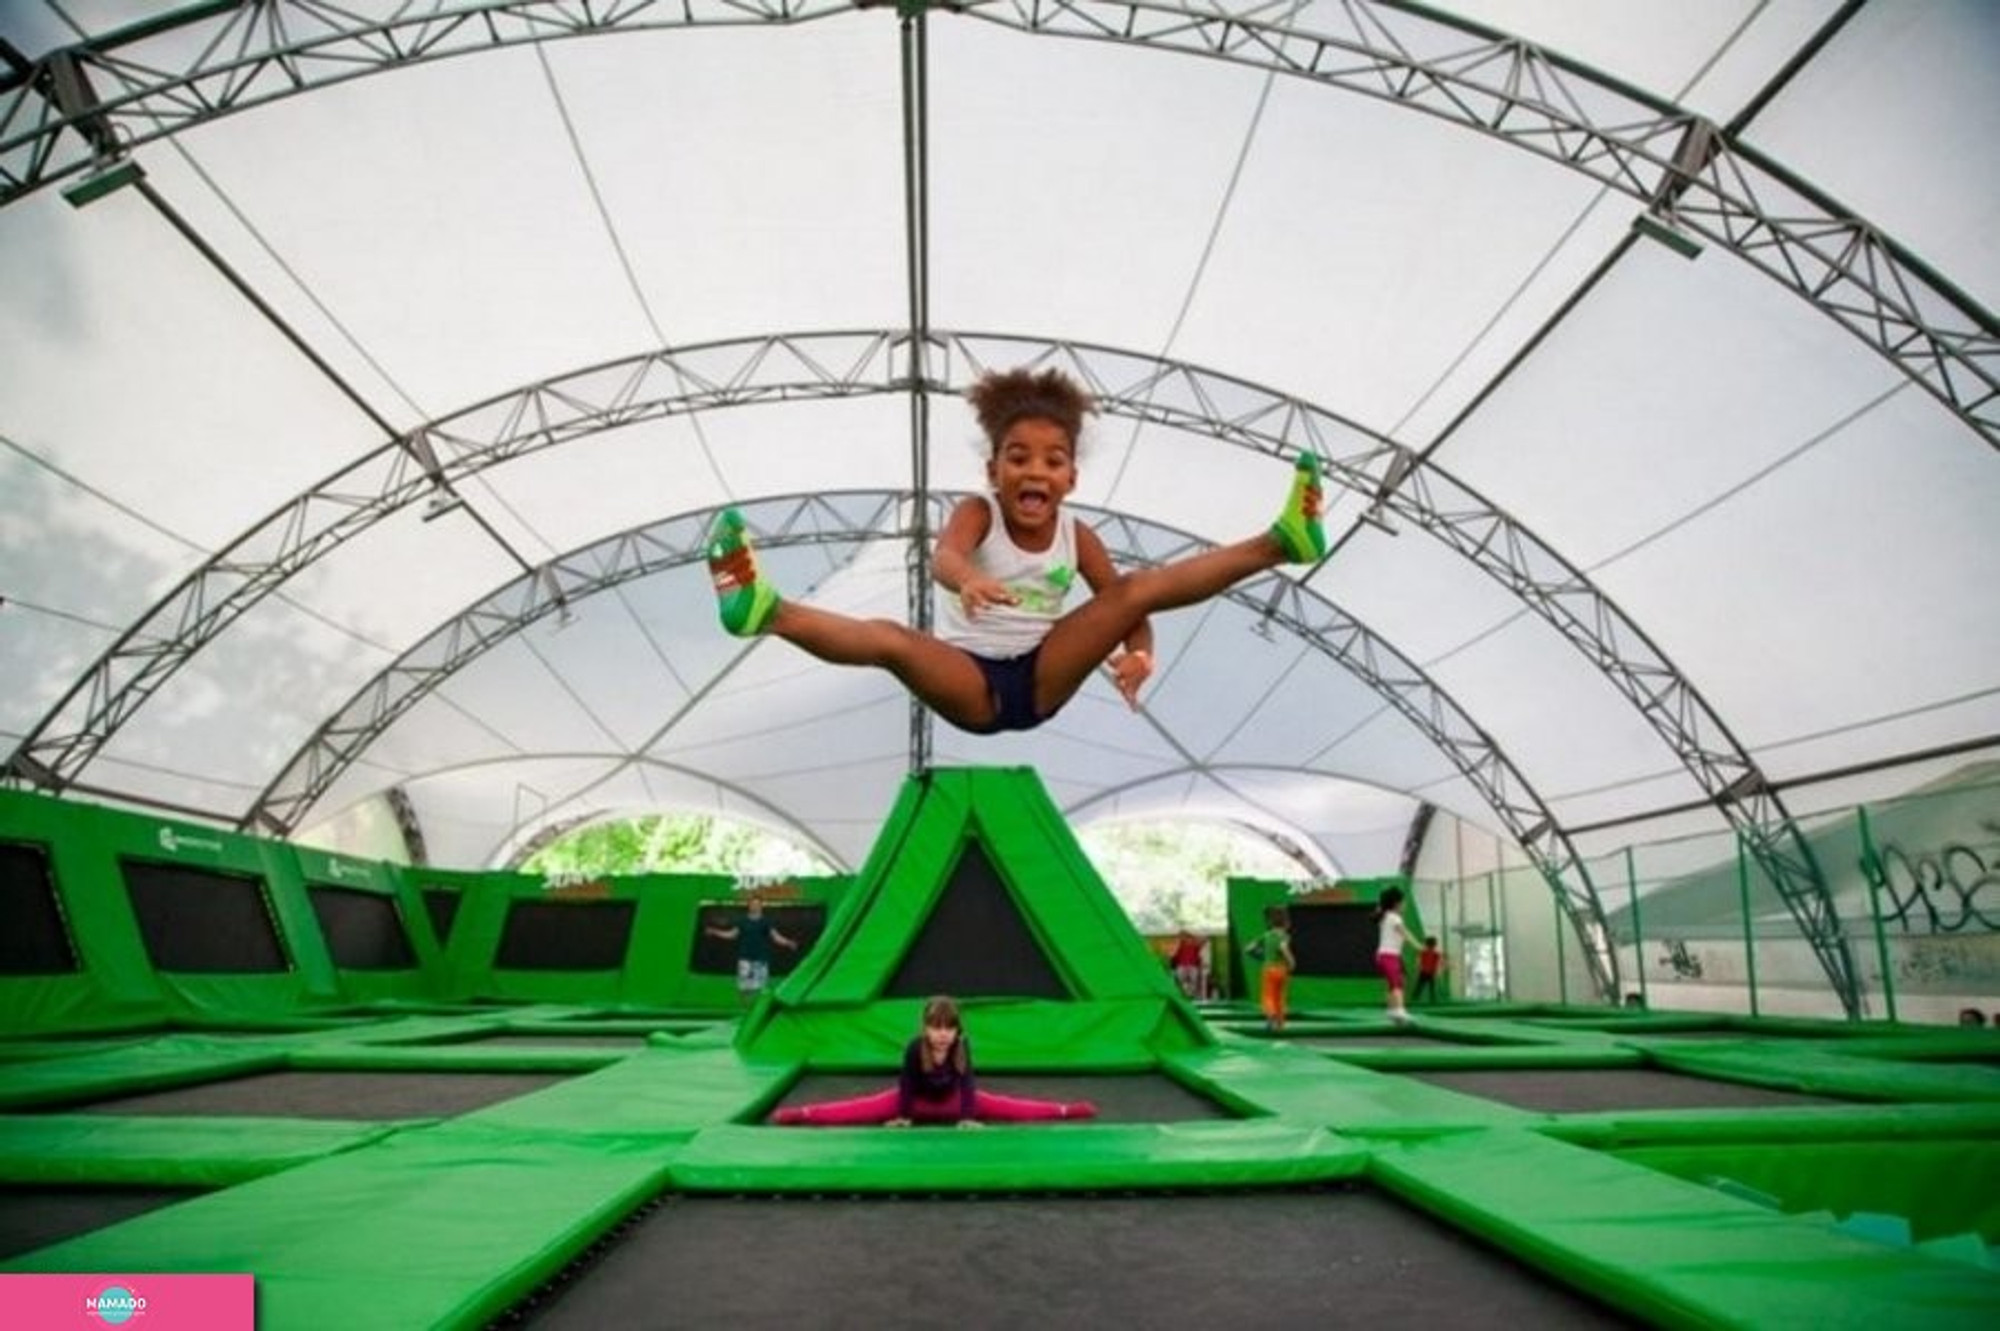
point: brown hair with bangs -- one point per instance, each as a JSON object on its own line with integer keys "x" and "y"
{"x": 942, "y": 1013}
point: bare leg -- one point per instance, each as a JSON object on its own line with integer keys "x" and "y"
{"x": 943, "y": 677}
{"x": 1083, "y": 638}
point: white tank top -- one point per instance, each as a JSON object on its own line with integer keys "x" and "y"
{"x": 1040, "y": 579}
{"x": 1391, "y": 934}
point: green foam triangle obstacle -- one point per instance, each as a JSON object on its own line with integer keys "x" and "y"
{"x": 978, "y": 888}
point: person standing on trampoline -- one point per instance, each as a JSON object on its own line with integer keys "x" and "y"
{"x": 936, "y": 1086}
{"x": 1391, "y": 937}
{"x": 1189, "y": 972}
{"x": 1273, "y": 951}
{"x": 1009, "y": 653}
{"x": 1430, "y": 962}
{"x": 754, "y": 935}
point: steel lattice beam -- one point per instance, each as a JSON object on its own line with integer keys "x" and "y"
{"x": 791, "y": 367}
{"x": 1685, "y": 169}
{"x": 854, "y": 518}
{"x": 157, "y": 78}
{"x": 1557, "y": 591}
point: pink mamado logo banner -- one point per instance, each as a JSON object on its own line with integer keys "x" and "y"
{"x": 144, "y": 1303}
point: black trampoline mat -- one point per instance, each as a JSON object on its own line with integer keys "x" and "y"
{"x": 331, "y": 1095}
{"x": 277, "y": 1028}
{"x": 1335, "y": 1258}
{"x": 1383, "y": 1039}
{"x": 559, "y": 1039}
{"x": 34, "y": 1217}
{"x": 1703, "y": 1033}
{"x": 443, "y": 1007}
{"x": 27, "y": 1050}
{"x": 1586, "y": 1090}
{"x": 1140, "y": 1098}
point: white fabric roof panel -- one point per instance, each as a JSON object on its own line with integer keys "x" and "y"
{"x": 502, "y": 244}
{"x": 1329, "y": 252}
{"x": 1710, "y": 57}
{"x": 126, "y": 357}
{"x": 1080, "y": 161}
{"x": 1895, "y": 119}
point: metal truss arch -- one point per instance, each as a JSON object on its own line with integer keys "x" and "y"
{"x": 1429, "y": 498}
{"x": 77, "y": 107}
{"x": 282, "y": 806}
{"x": 1282, "y": 843}
{"x": 88, "y": 104}
{"x": 426, "y": 463}
{"x": 514, "y": 848}
{"x": 1690, "y": 174}
{"x": 873, "y": 516}
{"x": 789, "y": 367}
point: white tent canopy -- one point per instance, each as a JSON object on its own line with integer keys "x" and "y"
{"x": 362, "y": 447}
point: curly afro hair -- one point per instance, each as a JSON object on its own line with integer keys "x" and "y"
{"x": 1001, "y": 397}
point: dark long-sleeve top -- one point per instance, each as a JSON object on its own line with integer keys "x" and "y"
{"x": 939, "y": 1084}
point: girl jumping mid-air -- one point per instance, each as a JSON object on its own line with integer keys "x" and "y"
{"x": 1008, "y": 654}
{"x": 936, "y": 1086}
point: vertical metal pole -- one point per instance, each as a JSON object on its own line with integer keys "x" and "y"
{"x": 1464, "y": 964}
{"x": 1749, "y": 925}
{"x": 1638, "y": 933}
{"x": 1868, "y": 856}
{"x": 1458, "y": 886}
{"x": 916, "y": 210}
{"x": 1499, "y": 953}
{"x": 1562, "y": 968}
{"x": 1453, "y": 968}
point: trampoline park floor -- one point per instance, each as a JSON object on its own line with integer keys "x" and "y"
{"x": 1468, "y": 1172}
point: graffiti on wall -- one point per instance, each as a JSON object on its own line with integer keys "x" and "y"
{"x": 1947, "y": 889}
{"x": 1684, "y": 964}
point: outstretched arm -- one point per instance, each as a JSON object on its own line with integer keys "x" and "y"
{"x": 951, "y": 559}
{"x": 1133, "y": 666}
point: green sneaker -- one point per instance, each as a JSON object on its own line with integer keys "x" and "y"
{"x": 1297, "y": 530}
{"x": 745, "y": 601}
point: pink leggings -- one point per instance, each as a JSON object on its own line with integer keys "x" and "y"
{"x": 883, "y": 1106}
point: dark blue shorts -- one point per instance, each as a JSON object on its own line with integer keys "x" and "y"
{"x": 1011, "y": 685}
